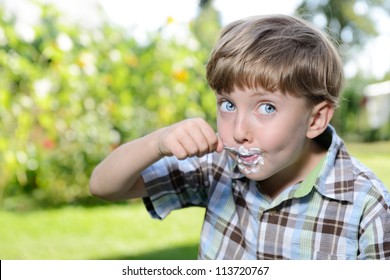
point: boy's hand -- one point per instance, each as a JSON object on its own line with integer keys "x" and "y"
{"x": 188, "y": 138}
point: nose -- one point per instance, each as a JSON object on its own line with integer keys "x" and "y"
{"x": 242, "y": 132}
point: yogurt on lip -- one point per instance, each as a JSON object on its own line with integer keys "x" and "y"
{"x": 249, "y": 160}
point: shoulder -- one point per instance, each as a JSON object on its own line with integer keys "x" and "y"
{"x": 366, "y": 182}
{"x": 346, "y": 178}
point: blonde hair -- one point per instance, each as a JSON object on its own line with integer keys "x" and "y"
{"x": 276, "y": 52}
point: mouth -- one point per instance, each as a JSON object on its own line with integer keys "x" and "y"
{"x": 249, "y": 160}
{"x": 243, "y": 152}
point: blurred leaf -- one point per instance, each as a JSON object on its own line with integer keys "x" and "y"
{"x": 70, "y": 96}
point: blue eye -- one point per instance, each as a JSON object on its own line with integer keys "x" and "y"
{"x": 267, "y": 109}
{"x": 227, "y": 106}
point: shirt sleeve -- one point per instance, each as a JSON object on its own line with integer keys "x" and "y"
{"x": 173, "y": 184}
{"x": 374, "y": 241}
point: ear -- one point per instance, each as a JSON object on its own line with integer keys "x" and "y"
{"x": 320, "y": 117}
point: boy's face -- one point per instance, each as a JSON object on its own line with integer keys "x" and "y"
{"x": 275, "y": 123}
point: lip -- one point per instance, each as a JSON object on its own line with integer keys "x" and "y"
{"x": 243, "y": 152}
{"x": 250, "y": 159}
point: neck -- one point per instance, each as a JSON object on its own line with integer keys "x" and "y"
{"x": 295, "y": 173}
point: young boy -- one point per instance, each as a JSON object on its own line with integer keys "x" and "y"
{"x": 276, "y": 180}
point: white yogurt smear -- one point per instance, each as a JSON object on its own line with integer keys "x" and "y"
{"x": 249, "y": 160}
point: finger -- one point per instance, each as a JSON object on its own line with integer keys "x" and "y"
{"x": 188, "y": 139}
{"x": 169, "y": 144}
{"x": 210, "y": 137}
{"x": 193, "y": 137}
{"x": 204, "y": 137}
{"x": 180, "y": 152}
{"x": 220, "y": 145}
{"x": 190, "y": 146}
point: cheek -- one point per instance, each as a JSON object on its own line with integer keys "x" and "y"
{"x": 284, "y": 138}
{"x": 271, "y": 141}
{"x": 223, "y": 129}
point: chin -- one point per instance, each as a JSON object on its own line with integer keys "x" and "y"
{"x": 253, "y": 174}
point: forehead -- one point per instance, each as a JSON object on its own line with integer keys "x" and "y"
{"x": 260, "y": 92}
{"x": 263, "y": 95}
{"x": 250, "y": 92}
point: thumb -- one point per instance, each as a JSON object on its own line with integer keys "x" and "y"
{"x": 219, "y": 145}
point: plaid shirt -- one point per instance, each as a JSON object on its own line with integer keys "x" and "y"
{"x": 340, "y": 211}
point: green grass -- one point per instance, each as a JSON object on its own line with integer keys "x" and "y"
{"x": 126, "y": 231}
{"x": 114, "y": 232}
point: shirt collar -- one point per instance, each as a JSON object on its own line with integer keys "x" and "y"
{"x": 336, "y": 177}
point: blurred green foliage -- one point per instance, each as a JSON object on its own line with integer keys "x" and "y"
{"x": 351, "y": 24}
{"x": 68, "y": 96}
